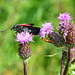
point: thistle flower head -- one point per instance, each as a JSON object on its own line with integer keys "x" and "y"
{"x": 46, "y": 29}
{"x": 24, "y": 47}
{"x": 65, "y": 28}
{"x": 24, "y": 37}
{"x": 64, "y": 17}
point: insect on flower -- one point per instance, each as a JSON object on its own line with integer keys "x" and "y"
{"x": 18, "y": 28}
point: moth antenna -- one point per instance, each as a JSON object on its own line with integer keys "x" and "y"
{"x": 5, "y": 30}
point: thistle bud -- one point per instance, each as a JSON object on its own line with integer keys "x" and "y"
{"x": 58, "y": 40}
{"x": 24, "y": 51}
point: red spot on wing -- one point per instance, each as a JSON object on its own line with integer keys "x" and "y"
{"x": 24, "y": 25}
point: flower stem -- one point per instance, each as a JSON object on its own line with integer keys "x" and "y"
{"x": 62, "y": 63}
{"x": 25, "y": 67}
{"x": 67, "y": 64}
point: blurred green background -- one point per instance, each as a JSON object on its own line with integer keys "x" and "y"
{"x": 30, "y": 11}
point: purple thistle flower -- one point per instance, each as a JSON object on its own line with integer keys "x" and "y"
{"x": 24, "y": 37}
{"x": 64, "y": 17}
{"x": 46, "y": 29}
{"x": 65, "y": 28}
{"x": 24, "y": 47}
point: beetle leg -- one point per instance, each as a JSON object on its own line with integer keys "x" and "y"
{"x": 47, "y": 40}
